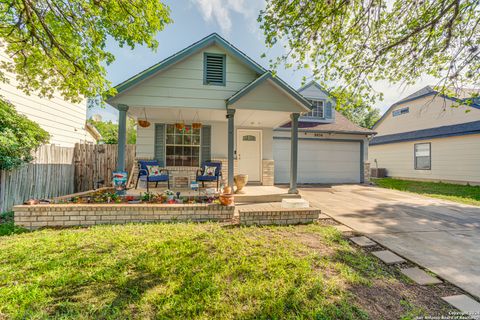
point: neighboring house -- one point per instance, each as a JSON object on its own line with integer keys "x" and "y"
{"x": 429, "y": 136}
{"x": 239, "y": 104}
{"x": 65, "y": 121}
{"x": 331, "y": 148}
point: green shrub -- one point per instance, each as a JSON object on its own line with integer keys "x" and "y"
{"x": 19, "y": 136}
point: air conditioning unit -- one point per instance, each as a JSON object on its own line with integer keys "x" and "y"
{"x": 378, "y": 172}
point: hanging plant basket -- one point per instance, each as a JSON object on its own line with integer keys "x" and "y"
{"x": 180, "y": 126}
{"x": 196, "y": 125}
{"x": 143, "y": 123}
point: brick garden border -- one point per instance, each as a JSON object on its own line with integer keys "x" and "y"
{"x": 66, "y": 215}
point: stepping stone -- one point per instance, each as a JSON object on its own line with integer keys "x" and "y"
{"x": 419, "y": 276}
{"x": 342, "y": 228}
{"x": 363, "y": 241}
{"x": 388, "y": 257}
{"x": 465, "y": 304}
{"x": 323, "y": 216}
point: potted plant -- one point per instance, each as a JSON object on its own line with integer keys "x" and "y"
{"x": 170, "y": 195}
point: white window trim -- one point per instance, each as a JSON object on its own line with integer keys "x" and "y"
{"x": 429, "y": 155}
{"x": 316, "y": 109}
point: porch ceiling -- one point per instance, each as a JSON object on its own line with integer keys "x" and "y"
{"x": 243, "y": 118}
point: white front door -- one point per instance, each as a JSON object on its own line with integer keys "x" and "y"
{"x": 249, "y": 153}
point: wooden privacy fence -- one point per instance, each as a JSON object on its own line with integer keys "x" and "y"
{"x": 94, "y": 164}
{"x": 50, "y": 174}
{"x": 57, "y": 171}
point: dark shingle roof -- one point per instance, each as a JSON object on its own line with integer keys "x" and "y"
{"x": 438, "y": 132}
{"x": 340, "y": 125}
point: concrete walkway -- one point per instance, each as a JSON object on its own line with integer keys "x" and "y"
{"x": 439, "y": 235}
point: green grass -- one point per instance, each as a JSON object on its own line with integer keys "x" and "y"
{"x": 454, "y": 192}
{"x": 200, "y": 271}
{"x": 7, "y": 226}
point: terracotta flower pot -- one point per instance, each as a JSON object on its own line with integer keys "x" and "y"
{"x": 196, "y": 125}
{"x": 240, "y": 181}
{"x": 226, "y": 199}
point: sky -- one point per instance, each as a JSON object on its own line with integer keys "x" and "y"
{"x": 236, "y": 21}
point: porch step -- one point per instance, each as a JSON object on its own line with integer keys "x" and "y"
{"x": 262, "y": 198}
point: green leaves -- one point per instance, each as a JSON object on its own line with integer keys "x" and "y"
{"x": 19, "y": 136}
{"x": 353, "y": 43}
{"x": 59, "y": 45}
{"x": 109, "y": 131}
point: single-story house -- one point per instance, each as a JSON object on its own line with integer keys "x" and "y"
{"x": 430, "y": 136}
{"x": 250, "y": 120}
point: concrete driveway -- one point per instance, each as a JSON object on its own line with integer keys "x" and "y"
{"x": 441, "y": 236}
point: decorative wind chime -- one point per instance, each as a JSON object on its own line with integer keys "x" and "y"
{"x": 180, "y": 124}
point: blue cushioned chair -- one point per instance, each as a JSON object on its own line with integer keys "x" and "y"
{"x": 143, "y": 173}
{"x": 218, "y": 173}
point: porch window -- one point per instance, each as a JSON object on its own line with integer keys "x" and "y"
{"x": 182, "y": 146}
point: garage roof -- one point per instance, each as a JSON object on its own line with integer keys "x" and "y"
{"x": 341, "y": 125}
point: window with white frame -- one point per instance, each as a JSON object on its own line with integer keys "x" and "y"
{"x": 423, "y": 156}
{"x": 317, "y": 109}
{"x": 182, "y": 146}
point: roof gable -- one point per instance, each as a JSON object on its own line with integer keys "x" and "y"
{"x": 313, "y": 85}
{"x": 424, "y": 92}
{"x": 298, "y": 98}
{"x": 212, "y": 39}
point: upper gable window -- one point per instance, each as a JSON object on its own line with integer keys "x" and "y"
{"x": 318, "y": 109}
{"x": 400, "y": 111}
{"x": 214, "y": 66}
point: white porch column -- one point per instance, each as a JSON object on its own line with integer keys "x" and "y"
{"x": 122, "y": 136}
{"x": 293, "y": 153}
{"x": 231, "y": 143}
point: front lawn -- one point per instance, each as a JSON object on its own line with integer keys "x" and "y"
{"x": 201, "y": 271}
{"x": 453, "y": 192}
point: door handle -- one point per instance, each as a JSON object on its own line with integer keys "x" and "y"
{"x": 239, "y": 156}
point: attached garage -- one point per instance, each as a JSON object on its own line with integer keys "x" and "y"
{"x": 320, "y": 160}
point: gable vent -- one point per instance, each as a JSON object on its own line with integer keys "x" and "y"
{"x": 214, "y": 69}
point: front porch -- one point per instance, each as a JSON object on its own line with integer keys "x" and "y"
{"x": 252, "y": 194}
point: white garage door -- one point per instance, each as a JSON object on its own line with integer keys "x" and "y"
{"x": 319, "y": 161}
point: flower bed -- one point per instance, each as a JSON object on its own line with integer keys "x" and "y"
{"x": 108, "y": 196}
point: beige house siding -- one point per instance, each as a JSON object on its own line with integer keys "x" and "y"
{"x": 65, "y": 121}
{"x": 453, "y": 159}
{"x": 181, "y": 85}
{"x": 424, "y": 113}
